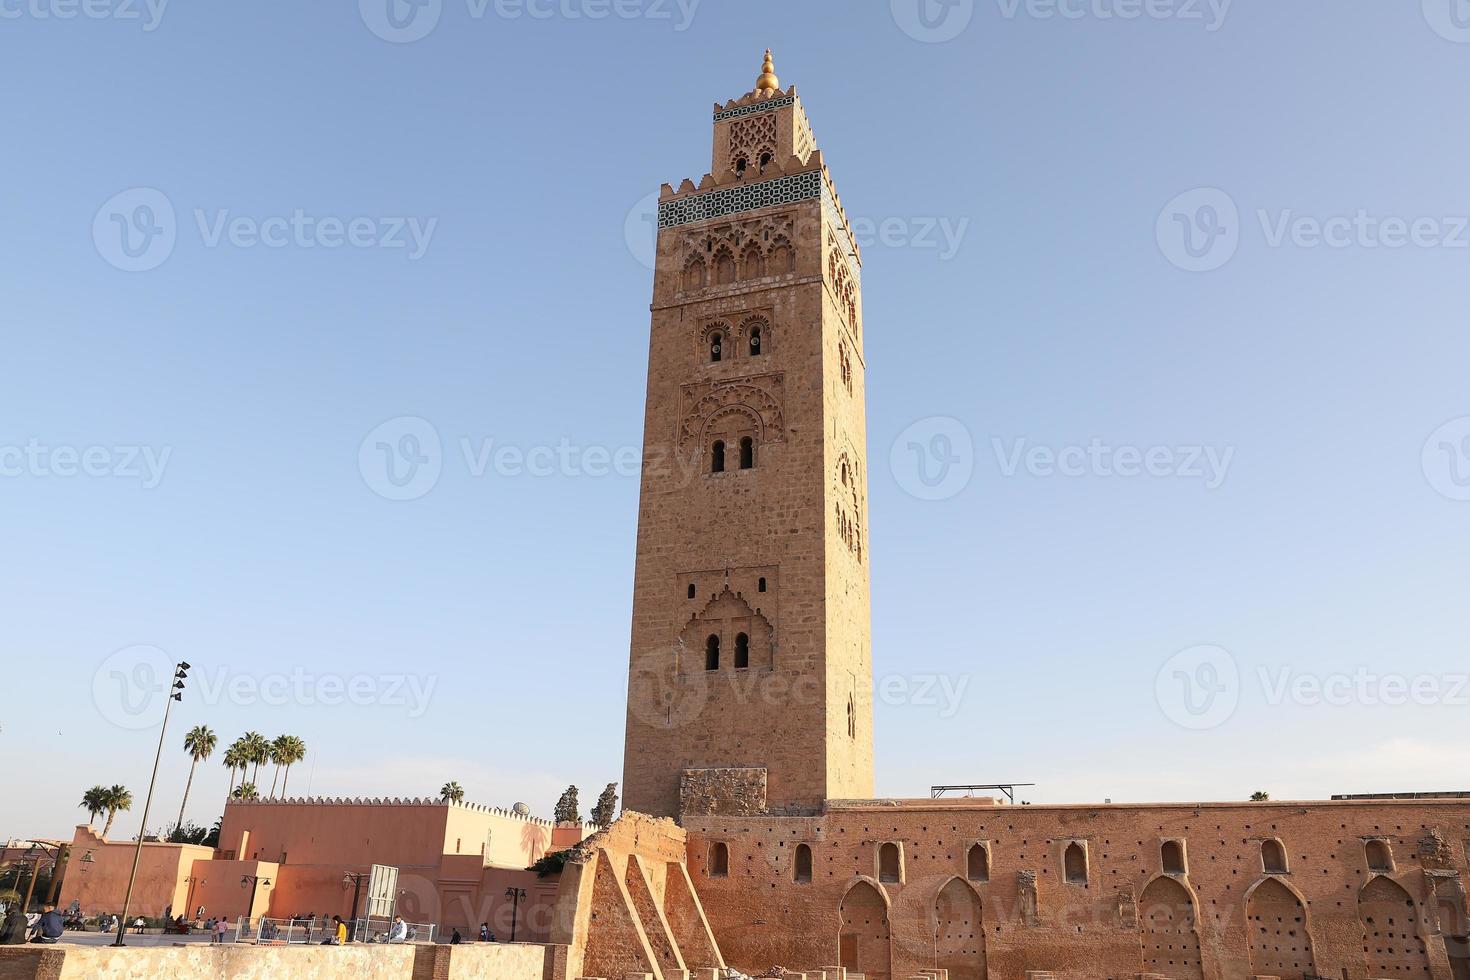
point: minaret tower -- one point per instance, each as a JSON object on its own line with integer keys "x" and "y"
{"x": 750, "y": 682}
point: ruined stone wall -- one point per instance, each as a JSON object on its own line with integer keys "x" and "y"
{"x": 1093, "y": 892}
{"x": 626, "y": 904}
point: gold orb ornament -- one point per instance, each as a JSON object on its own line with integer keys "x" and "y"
{"x": 768, "y": 82}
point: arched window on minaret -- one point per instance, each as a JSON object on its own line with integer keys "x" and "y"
{"x": 747, "y": 453}
{"x": 712, "y": 653}
{"x": 742, "y": 652}
{"x": 717, "y": 457}
{"x": 716, "y": 347}
{"x": 802, "y": 871}
{"x": 719, "y": 860}
{"x": 755, "y": 342}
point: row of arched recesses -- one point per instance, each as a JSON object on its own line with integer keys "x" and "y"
{"x": 719, "y": 452}
{"x": 844, "y": 366}
{"x": 723, "y": 267}
{"x": 712, "y": 652}
{"x": 754, "y": 339}
{"x": 842, "y": 285}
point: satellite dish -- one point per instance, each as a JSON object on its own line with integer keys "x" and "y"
{"x": 521, "y": 810}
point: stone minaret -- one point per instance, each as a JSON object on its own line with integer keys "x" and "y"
{"x": 750, "y": 681}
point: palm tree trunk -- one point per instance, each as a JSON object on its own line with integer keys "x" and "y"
{"x": 232, "y": 783}
{"x": 273, "y": 781}
{"x": 107, "y": 827}
{"x": 185, "y": 801}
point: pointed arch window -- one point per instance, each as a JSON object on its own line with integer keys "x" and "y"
{"x": 717, "y": 457}
{"x": 742, "y": 651}
{"x": 712, "y": 653}
{"x": 755, "y": 342}
{"x": 802, "y": 867}
{"x": 1074, "y": 863}
{"x": 977, "y": 863}
{"x": 747, "y": 453}
{"x": 716, "y": 347}
{"x": 692, "y": 592}
{"x": 1380, "y": 856}
{"x": 890, "y": 864}
{"x": 1273, "y": 857}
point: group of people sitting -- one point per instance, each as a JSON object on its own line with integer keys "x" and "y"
{"x": 17, "y": 928}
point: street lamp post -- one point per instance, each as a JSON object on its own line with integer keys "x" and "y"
{"x": 175, "y": 693}
{"x": 189, "y": 902}
{"x": 355, "y": 879}
{"x": 254, "y": 881}
{"x": 515, "y": 895}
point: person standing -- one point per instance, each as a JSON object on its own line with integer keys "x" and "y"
{"x": 220, "y": 928}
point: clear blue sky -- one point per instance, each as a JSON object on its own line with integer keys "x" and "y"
{"x": 522, "y": 147}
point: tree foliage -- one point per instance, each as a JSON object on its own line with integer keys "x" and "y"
{"x": 606, "y": 809}
{"x": 567, "y": 808}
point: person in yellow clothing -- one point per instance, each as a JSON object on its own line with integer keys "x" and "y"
{"x": 339, "y": 933}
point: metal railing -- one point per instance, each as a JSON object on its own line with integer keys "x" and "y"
{"x": 373, "y": 929}
{"x": 284, "y": 932}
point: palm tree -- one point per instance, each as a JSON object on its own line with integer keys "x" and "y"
{"x": 295, "y": 751}
{"x": 93, "y": 799}
{"x": 235, "y": 759}
{"x": 245, "y": 791}
{"x": 199, "y": 743}
{"x": 257, "y": 751}
{"x": 276, "y": 754}
{"x": 115, "y": 798}
{"x": 453, "y": 792}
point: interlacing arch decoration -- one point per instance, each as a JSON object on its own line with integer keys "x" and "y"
{"x": 757, "y": 399}
{"x": 737, "y": 253}
{"x": 752, "y": 140}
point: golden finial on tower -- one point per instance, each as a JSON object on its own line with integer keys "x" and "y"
{"x": 768, "y": 82}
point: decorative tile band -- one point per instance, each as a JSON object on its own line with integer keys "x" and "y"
{"x": 744, "y": 197}
{"x": 829, "y": 205}
{"x": 754, "y": 107}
